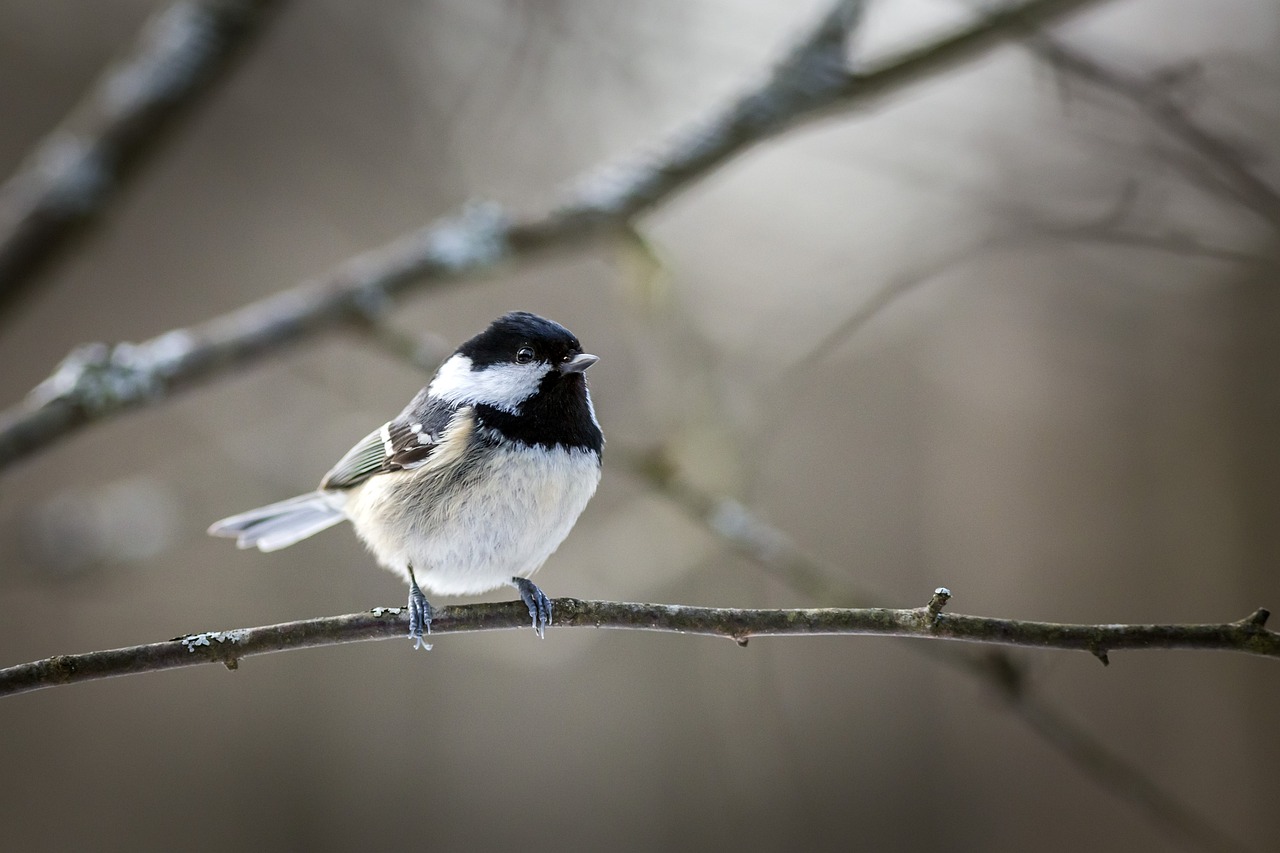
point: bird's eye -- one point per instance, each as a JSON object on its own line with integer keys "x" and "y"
{"x": 524, "y": 355}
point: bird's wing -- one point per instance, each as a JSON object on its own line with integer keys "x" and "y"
{"x": 401, "y": 444}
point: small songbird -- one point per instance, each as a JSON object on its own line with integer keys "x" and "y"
{"x": 475, "y": 483}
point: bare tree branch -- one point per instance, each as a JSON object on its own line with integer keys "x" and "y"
{"x": 98, "y": 380}
{"x": 68, "y": 179}
{"x": 1153, "y": 97}
{"x": 1249, "y": 635}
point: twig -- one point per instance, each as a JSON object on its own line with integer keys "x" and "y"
{"x": 230, "y": 647}
{"x": 98, "y": 381}
{"x": 69, "y": 177}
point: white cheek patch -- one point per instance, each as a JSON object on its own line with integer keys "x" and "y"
{"x": 504, "y": 386}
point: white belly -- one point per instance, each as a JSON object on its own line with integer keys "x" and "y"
{"x": 513, "y": 512}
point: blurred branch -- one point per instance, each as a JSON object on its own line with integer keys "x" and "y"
{"x": 1116, "y": 226}
{"x": 97, "y": 381}
{"x": 1170, "y": 242}
{"x": 1248, "y": 636}
{"x": 68, "y": 179}
{"x": 1155, "y": 98}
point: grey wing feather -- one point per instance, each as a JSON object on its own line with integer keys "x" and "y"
{"x": 360, "y": 462}
{"x": 400, "y": 444}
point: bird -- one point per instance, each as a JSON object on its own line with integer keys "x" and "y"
{"x": 474, "y": 484}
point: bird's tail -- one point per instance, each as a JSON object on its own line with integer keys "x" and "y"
{"x": 279, "y": 525}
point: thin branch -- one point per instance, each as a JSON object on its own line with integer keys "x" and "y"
{"x": 98, "y": 381}
{"x": 1248, "y": 636}
{"x": 1153, "y": 98}
{"x": 70, "y": 176}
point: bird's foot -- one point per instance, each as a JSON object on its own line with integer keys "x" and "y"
{"x": 537, "y": 602}
{"x": 419, "y": 616}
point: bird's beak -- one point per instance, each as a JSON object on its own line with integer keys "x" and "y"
{"x": 579, "y": 363}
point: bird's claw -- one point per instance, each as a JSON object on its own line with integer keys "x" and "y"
{"x": 537, "y": 602}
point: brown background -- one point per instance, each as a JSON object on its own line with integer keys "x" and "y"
{"x": 1055, "y": 426}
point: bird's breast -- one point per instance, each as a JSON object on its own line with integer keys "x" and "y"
{"x": 491, "y": 514}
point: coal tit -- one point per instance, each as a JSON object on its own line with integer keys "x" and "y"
{"x": 475, "y": 483}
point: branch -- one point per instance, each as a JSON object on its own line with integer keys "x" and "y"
{"x": 1248, "y": 636}
{"x": 98, "y": 381}
{"x": 68, "y": 179}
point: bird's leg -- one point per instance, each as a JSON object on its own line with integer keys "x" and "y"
{"x": 419, "y": 614}
{"x": 537, "y": 602}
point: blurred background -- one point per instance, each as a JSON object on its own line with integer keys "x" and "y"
{"x": 1001, "y": 332}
